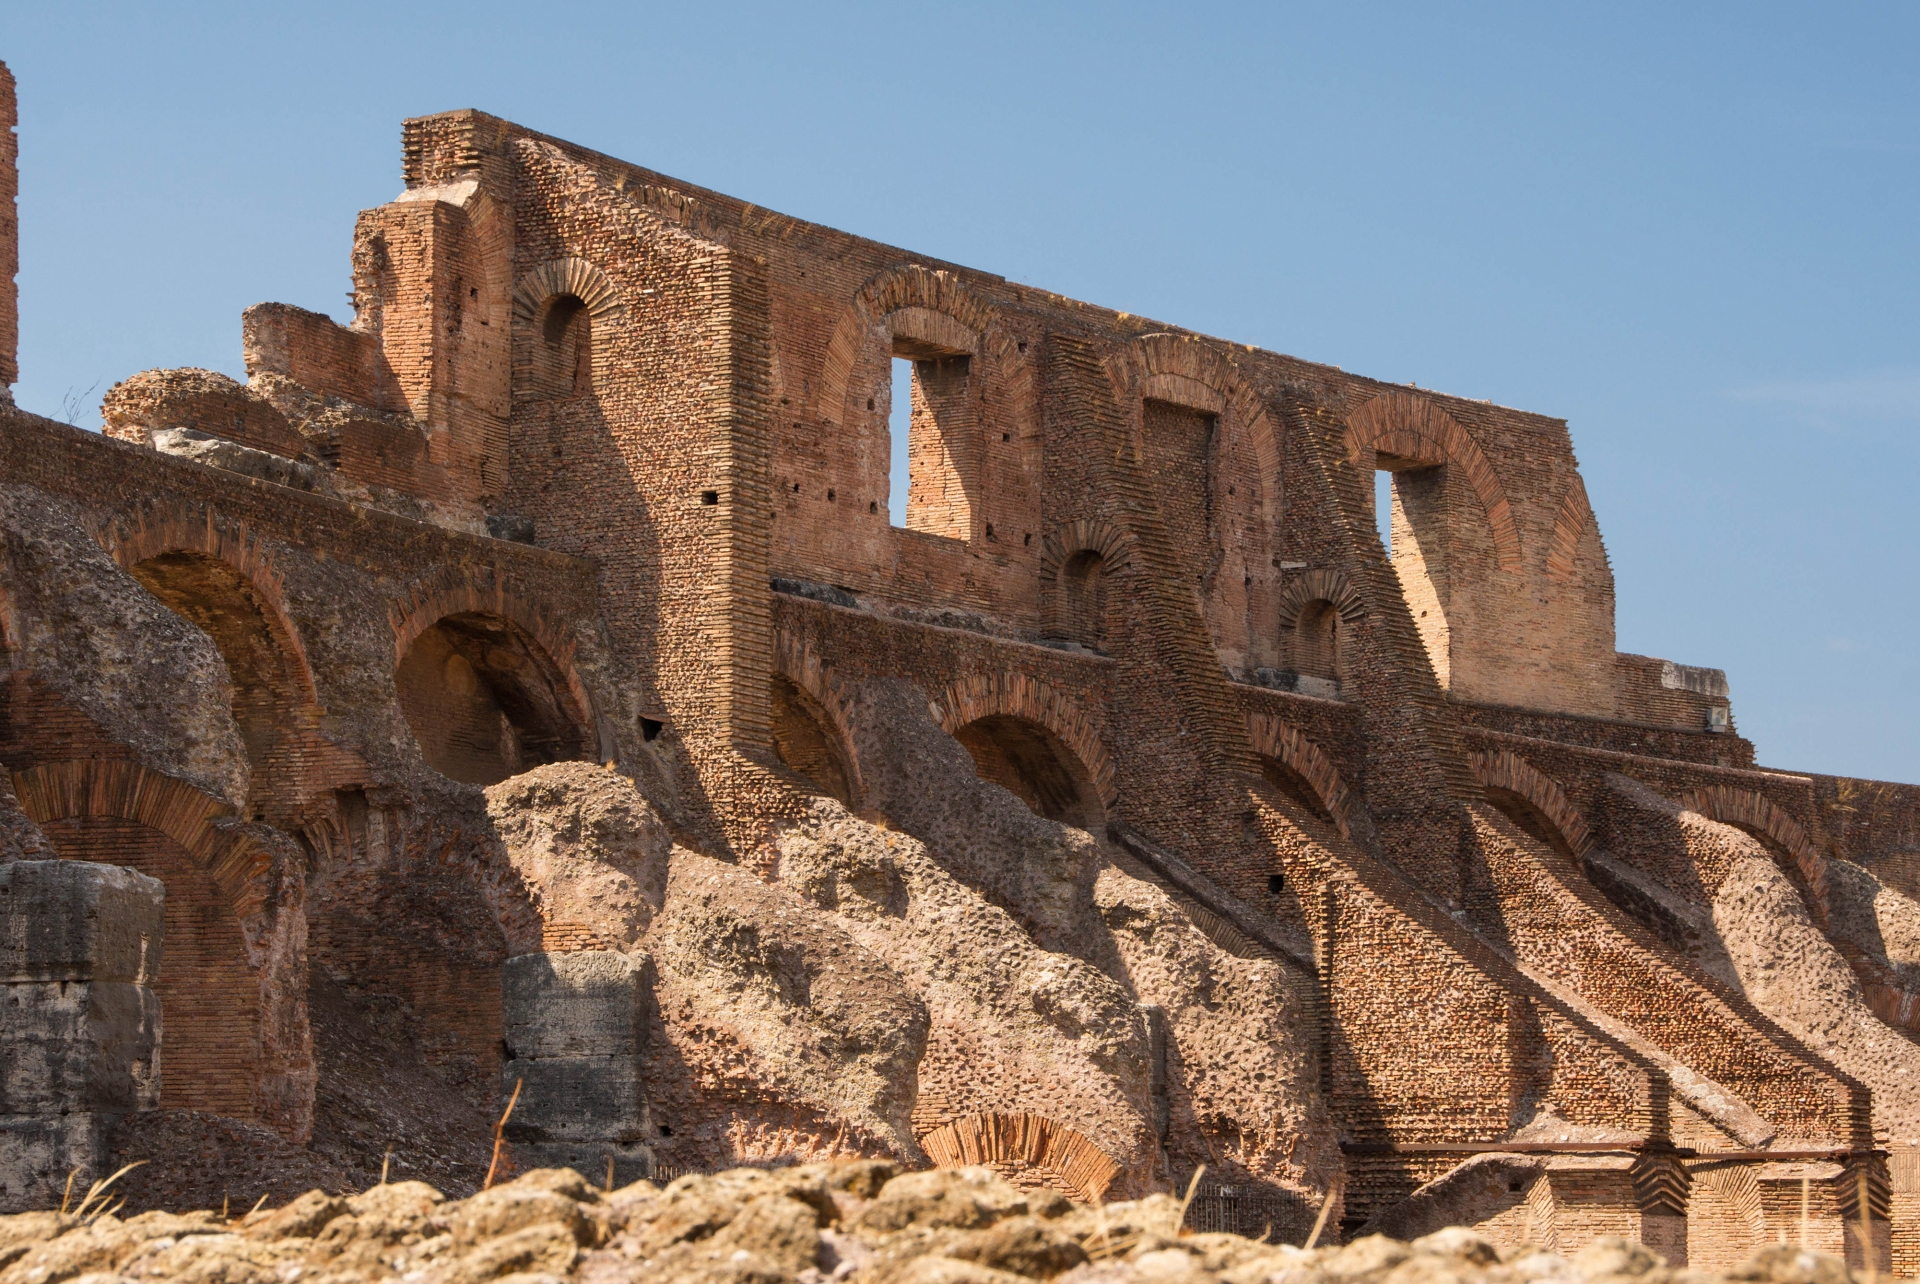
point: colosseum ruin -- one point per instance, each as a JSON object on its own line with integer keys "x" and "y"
{"x": 527, "y": 687}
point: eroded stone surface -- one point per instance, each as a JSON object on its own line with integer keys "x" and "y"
{"x": 792, "y": 1226}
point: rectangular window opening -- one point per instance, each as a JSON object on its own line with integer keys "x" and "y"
{"x": 900, "y": 430}
{"x": 933, "y": 460}
{"x": 1411, "y": 504}
{"x": 1383, "y": 508}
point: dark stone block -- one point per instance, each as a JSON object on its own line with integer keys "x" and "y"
{"x": 73, "y": 920}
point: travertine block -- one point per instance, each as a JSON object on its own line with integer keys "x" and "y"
{"x": 37, "y": 1153}
{"x": 85, "y": 1044}
{"x": 64, "y": 920}
{"x": 575, "y": 1099}
{"x": 570, "y": 1005}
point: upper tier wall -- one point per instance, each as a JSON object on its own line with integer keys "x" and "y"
{"x": 1512, "y": 590}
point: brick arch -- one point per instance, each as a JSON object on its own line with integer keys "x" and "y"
{"x": 1398, "y": 423}
{"x": 1025, "y": 1145}
{"x": 179, "y": 528}
{"x": 1019, "y": 696}
{"x": 1320, "y": 585}
{"x": 1286, "y": 744}
{"x": 1502, "y": 770}
{"x": 577, "y": 277}
{"x": 938, "y": 293}
{"x": 1568, "y": 527}
{"x": 531, "y": 292}
{"x": 428, "y": 601}
{"x": 1189, "y": 371}
{"x": 1749, "y": 810}
{"x": 795, "y": 659}
{"x": 1086, "y": 534}
{"x": 126, "y": 790}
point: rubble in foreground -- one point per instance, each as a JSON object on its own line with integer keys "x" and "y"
{"x": 860, "y": 1221}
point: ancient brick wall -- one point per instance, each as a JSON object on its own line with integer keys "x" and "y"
{"x": 1139, "y": 582}
{"x": 349, "y": 592}
{"x": 209, "y": 993}
{"x": 9, "y": 237}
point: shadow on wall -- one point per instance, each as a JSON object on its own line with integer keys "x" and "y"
{"x": 266, "y": 686}
{"x": 804, "y": 738}
{"x": 1030, "y": 762}
{"x": 485, "y": 701}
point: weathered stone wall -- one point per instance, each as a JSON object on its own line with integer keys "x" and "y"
{"x": 80, "y": 948}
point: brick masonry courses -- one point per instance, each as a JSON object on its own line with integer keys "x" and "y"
{"x": 1401, "y": 771}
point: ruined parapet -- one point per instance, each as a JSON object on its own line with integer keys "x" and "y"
{"x": 9, "y": 239}
{"x": 80, "y": 1042}
{"x": 575, "y": 1035}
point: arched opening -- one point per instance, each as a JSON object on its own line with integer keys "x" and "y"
{"x": 221, "y": 602}
{"x": 1532, "y": 821}
{"x": 1030, "y": 1151}
{"x": 562, "y": 363}
{"x": 804, "y": 739}
{"x": 1080, "y": 604}
{"x": 209, "y": 995}
{"x": 485, "y": 701}
{"x": 1031, "y": 763}
{"x": 1294, "y": 786}
{"x": 1316, "y": 641}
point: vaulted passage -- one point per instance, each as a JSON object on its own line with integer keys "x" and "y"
{"x": 803, "y": 736}
{"x": 218, "y": 599}
{"x": 485, "y": 701}
{"x": 1030, "y": 762}
{"x": 1293, "y": 785}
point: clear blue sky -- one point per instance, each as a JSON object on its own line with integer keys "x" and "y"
{"x": 1690, "y": 230}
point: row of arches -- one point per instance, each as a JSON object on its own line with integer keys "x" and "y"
{"x": 1189, "y": 401}
{"x": 482, "y": 676}
{"x": 1024, "y": 734}
{"x": 1203, "y": 439}
{"x": 1538, "y": 805}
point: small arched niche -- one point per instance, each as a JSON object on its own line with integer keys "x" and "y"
{"x": 1033, "y": 764}
{"x": 485, "y": 701}
{"x": 1080, "y": 604}
{"x": 804, "y": 738}
{"x": 1316, "y": 642}
{"x": 562, "y": 359}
